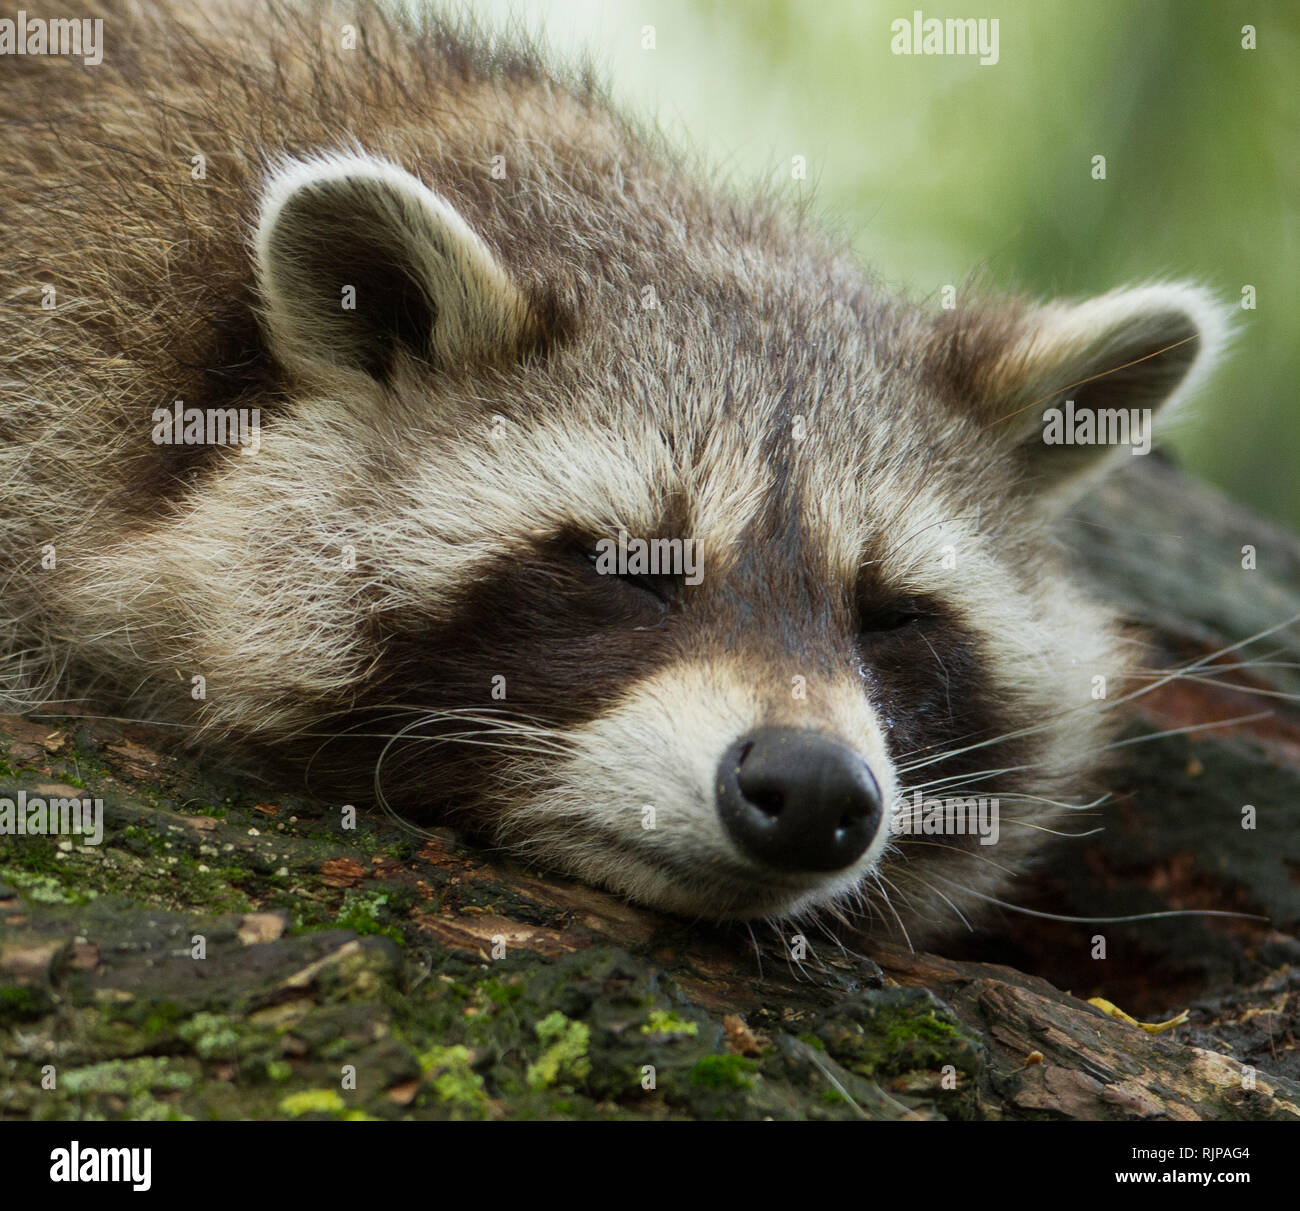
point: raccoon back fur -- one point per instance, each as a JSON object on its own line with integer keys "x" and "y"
{"x": 487, "y": 330}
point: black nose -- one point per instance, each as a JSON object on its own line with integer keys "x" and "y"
{"x": 798, "y": 800}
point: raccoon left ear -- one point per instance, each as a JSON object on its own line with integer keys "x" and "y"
{"x": 1078, "y": 384}
{"x": 359, "y": 262}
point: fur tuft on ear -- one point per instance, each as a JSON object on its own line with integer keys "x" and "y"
{"x": 1077, "y": 383}
{"x": 359, "y": 262}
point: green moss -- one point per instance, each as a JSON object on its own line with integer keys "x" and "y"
{"x": 163, "y": 1018}
{"x": 367, "y": 914}
{"x": 212, "y": 1035}
{"x": 925, "y": 1030}
{"x": 453, "y": 1081}
{"x": 145, "y": 1109}
{"x": 565, "y": 1055}
{"x": 131, "y": 1078}
{"x": 45, "y": 889}
{"x": 313, "y": 1101}
{"x": 663, "y": 1021}
{"x": 19, "y": 1004}
{"x": 145, "y": 839}
{"x": 895, "y": 1031}
{"x": 37, "y": 856}
{"x": 501, "y": 993}
{"x": 723, "y": 1072}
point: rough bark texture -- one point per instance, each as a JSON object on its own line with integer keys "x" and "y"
{"x": 328, "y": 948}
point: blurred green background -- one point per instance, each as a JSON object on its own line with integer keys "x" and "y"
{"x": 940, "y": 166}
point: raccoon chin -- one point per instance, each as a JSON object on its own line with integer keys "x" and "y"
{"x": 717, "y": 887}
{"x": 704, "y": 895}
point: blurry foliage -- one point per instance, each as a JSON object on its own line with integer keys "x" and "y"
{"x": 941, "y": 167}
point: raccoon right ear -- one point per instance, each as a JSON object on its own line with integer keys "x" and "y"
{"x": 1066, "y": 379}
{"x": 360, "y": 263}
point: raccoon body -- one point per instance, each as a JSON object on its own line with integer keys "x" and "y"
{"x": 487, "y": 331}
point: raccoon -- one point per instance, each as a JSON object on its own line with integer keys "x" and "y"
{"x": 499, "y": 357}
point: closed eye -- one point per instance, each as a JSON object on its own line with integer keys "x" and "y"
{"x": 661, "y": 587}
{"x": 893, "y": 615}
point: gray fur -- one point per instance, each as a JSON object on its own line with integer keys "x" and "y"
{"x": 805, "y": 428}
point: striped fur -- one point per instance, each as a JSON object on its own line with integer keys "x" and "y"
{"x": 596, "y": 340}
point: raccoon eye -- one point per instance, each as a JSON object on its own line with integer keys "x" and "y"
{"x": 661, "y": 588}
{"x": 890, "y": 616}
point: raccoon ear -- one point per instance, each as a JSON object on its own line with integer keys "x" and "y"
{"x": 1078, "y": 384}
{"x": 359, "y": 262}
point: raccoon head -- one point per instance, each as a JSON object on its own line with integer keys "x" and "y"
{"x": 703, "y": 597}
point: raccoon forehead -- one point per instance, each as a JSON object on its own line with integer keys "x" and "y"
{"x": 905, "y": 520}
{"x": 506, "y": 483}
{"x": 513, "y": 480}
